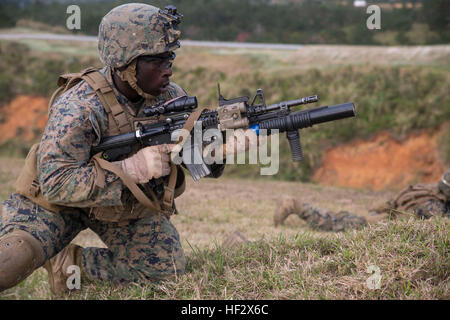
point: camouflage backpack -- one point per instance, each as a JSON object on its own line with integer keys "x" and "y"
{"x": 410, "y": 198}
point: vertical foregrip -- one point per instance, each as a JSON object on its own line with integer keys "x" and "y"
{"x": 296, "y": 147}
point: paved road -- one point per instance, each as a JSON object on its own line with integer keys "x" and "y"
{"x": 188, "y": 43}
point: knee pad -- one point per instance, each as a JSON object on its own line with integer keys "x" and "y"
{"x": 20, "y": 255}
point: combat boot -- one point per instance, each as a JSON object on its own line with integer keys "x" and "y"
{"x": 57, "y": 268}
{"x": 20, "y": 255}
{"x": 286, "y": 207}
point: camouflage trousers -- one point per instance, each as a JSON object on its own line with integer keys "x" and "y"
{"x": 135, "y": 252}
{"x": 317, "y": 218}
{"x": 328, "y": 221}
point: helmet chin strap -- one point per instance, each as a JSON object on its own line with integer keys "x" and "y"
{"x": 129, "y": 75}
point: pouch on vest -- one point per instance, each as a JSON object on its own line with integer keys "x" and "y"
{"x": 27, "y": 183}
{"x": 411, "y": 197}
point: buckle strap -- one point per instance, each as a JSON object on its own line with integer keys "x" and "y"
{"x": 96, "y": 81}
{"x": 169, "y": 189}
{"x": 128, "y": 181}
{"x": 35, "y": 187}
{"x": 118, "y": 120}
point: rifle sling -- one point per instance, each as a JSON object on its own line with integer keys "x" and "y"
{"x": 127, "y": 180}
{"x": 169, "y": 190}
{"x": 118, "y": 118}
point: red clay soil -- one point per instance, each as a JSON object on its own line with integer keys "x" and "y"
{"x": 383, "y": 162}
{"x": 24, "y": 118}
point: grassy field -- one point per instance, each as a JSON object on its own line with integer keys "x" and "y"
{"x": 292, "y": 261}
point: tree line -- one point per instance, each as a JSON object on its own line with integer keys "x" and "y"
{"x": 305, "y": 22}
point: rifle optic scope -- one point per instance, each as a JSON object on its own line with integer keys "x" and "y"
{"x": 180, "y": 104}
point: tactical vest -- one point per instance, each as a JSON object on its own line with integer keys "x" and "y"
{"x": 120, "y": 121}
{"x": 411, "y": 197}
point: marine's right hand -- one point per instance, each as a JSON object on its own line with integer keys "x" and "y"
{"x": 148, "y": 163}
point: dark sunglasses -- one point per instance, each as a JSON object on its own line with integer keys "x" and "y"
{"x": 164, "y": 60}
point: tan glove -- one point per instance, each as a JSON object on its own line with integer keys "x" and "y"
{"x": 240, "y": 144}
{"x": 243, "y": 140}
{"x": 148, "y": 163}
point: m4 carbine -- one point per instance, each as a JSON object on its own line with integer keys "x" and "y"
{"x": 235, "y": 113}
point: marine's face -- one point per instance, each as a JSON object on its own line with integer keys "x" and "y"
{"x": 153, "y": 72}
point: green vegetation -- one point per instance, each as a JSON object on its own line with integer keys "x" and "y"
{"x": 400, "y": 98}
{"x": 402, "y": 93}
{"x": 417, "y": 103}
{"x": 410, "y": 254}
{"x": 308, "y": 21}
{"x": 26, "y": 70}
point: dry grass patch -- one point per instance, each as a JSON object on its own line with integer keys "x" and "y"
{"x": 9, "y": 171}
{"x": 412, "y": 256}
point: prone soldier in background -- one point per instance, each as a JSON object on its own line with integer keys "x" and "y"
{"x": 421, "y": 200}
{"x": 128, "y": 203}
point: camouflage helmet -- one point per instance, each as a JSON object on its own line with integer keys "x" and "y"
{"x": 444, "y": 184}
{"x": 134, "y": 29}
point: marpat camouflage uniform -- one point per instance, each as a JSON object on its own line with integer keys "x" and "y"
{"x": 432, "y": 208}
{"x": 318, "y": 219}
{"x": 147, "y": 246}
{"x": 423, "y": 201}
{"x": 77, "y": 120}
